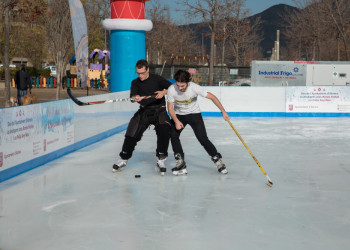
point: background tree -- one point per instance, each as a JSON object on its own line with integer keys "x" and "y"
{"x": 337, "y": 15}
{"x": 6, "y": 7}
{"x": 228, "y": 9}
{"x": 208, "y": 10}
{"x": 307, "y": 26}
{"x": 158, "y": 39}
{"x": 319, "y": 30}
{"x": 18, "y": 15}
{"x": 60, "y": 37}
{"x": 96, "y": 11}
{"x": 31, "y": 49}
{"x": 239, "y": 32}
{"x": 28, "y": 27}
{"x": 166, "y": 38}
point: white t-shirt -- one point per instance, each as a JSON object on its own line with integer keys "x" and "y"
{"x": 186, "y": 102}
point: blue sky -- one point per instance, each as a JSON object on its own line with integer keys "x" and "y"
{"x": 255, "y": 6}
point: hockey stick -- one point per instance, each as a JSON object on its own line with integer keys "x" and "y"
{"x": 80, "y": 103}
{"x": 269, "y": 182}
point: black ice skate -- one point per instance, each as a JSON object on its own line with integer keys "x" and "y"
{"x": 161, "y": 166}
{"x": 219, "y": 164}
{"x": 119, "y": 166}
{"x": 180, "y": 167}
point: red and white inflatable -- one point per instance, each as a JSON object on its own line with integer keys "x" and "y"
{"x": 128, "y": 40}
{"x": 134, "y": 9}
{"x": 128, "y": 15}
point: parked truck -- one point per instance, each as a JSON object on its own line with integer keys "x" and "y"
{"x": 300, "y": 73}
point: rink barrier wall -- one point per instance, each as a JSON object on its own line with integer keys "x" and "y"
{"x": 274, "y": 114}
{"x": 42, "y": 160}
{"x": 238, "y": 102}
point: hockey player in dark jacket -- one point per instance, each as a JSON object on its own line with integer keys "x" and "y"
{"x": 152, "y": 111}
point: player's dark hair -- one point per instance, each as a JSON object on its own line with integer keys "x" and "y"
{"x": 182, "y": 76}
{"x": 142, "y": 63}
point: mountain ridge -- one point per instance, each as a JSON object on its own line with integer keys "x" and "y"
{"x": 271, "y": 21}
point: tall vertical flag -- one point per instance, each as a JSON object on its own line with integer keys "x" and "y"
{"x": 81, "y": 45}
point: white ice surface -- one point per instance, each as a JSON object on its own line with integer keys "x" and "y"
{"x": 76, "y": 202}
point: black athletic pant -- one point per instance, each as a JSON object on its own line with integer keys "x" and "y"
{"x": 197, "y": 124}
{"x": 138, "y": 124}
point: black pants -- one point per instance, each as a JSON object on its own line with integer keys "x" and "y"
{"x": 138, "y": 124}
{"x": 197, "y": 124}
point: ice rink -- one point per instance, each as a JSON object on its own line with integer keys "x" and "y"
{"x": 76, "y": 202}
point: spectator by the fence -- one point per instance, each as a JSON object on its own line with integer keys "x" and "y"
{"x": 23, "y": 82}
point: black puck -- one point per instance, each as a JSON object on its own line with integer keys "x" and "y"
{"x": 137, "y": 176}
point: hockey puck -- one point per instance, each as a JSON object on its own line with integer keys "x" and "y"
{"x": 137, "y": 176}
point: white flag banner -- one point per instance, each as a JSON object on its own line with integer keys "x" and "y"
{"x": 80, "y": 41}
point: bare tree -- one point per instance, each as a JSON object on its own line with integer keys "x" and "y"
{"x": 96, "y": 11}
{"x": 238, "y": 31}
{"x": 295, "y": 33}
{"x": 23, "y": 14}
{"x": 60, "y": 38}
{"x": 337, "y": 13}
{"x": 228, "y": 10}
{"x": 304, "y": 30}
{"x": 158, "y": 38}
{"x": 6, "y": 6}
{"x": 28, "y": 27}
{"x": 319, "y": 30}
{"x": 31, "y": 49}
{"x": 208, "y": 10}
{"x": 160, "y": 44}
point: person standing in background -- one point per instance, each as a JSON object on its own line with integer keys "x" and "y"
{"x": 23, "y": 82}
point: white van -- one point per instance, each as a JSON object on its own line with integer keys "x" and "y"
{"x": 52, "y": 69}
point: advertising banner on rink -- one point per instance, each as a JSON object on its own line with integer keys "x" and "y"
{"x": 20, "y": 127}
{"x": 28, "y": 132}
{"x": 318, "y": 99}
{"x": 57, "y": 125}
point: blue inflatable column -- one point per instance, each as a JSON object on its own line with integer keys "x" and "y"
{"x": 128, "y": 40}
{"x": 127, "y": 47}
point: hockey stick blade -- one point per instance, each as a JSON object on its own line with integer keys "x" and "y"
{"x": 80, "y": 103}
{"x": 74, "y": 99}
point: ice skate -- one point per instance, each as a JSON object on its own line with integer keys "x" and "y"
{"x": 180, "y": 167}
{"x": 119, "y": 166}
{"x": 219, "y": 164}
{"x": 161, "y": 166}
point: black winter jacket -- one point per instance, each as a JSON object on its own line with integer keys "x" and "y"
{"x": 22, "y": 80}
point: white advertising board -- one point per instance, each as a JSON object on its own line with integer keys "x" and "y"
{"x": 57, "y": 125}
{"x": 31, "y": 131}
{"x": 329, "y": 99}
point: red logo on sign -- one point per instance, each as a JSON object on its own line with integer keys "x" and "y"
{"x": 290, "y": 107}
{"x": 1, "y": 159}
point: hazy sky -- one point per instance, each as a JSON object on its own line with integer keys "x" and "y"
{"x": 255, "y": 6}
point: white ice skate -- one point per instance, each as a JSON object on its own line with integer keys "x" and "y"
{"x": 180, "y": 167}
{"x": 219, "y": 164}
{"x": 161, "y": 166}
{"x": 119, "y": 166}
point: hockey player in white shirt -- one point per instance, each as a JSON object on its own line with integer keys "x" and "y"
{"x": 184, "y": 109}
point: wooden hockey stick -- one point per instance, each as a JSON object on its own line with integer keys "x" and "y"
{"x": 269, "y": 182}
